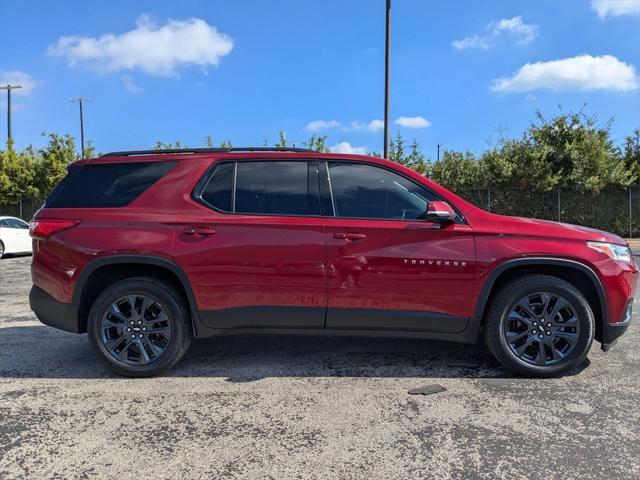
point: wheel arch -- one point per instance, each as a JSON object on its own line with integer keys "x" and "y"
{"x": 578, "y": 274}
{"x": 118, "y": 267}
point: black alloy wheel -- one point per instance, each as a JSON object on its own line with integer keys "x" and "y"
{"x": 542, "y": 328}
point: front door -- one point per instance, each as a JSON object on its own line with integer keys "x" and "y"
{"x": 252, "y": 243}
{"x": 389, "y": 269}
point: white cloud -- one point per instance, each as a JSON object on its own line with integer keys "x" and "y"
{"x": 583, "y": 72}
{"x": 130, "y": 85}
{"x": 496, "y": 32}
{"x": 372, "y": 126}
{"x": 16, "y": 77}
{"x": 375, "y": 125}
{"x": 345, "y": 147}
{"x": 615, "y": 8}
{"x": 148, "y": 47}
{"x": 412, "y": 122}
{"x": 317, "y": 125}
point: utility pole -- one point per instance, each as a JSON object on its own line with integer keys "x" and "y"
{"x": 386, "y": 79}
{"x": 80, "y": 101}
{"x": 438, "y": 157}
{"x": 8, "y": 88}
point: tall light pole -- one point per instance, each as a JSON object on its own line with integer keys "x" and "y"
{"x": 80, "y": 101}
{"x": 8, "y": 88}
{"x": 386, "y": 79}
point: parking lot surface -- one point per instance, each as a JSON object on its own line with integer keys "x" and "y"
{"x": 306, "y": 407}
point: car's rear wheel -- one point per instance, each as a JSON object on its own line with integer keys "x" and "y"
{"x": 1, "y": 249}
{"x": 139, "y": 327}
{"x": 538, "y": 325}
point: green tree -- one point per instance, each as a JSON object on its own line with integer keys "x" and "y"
{"x": 456, "y": 171}
{"x": 17, "y": 175}
{"x": 169, "y": 146}
{"x": 414, "y": 159}
{"x": 396, "y": 151}
{"x": 89, "y": 150}
{"x": 631, "y": 155}
{"x": 52, "y": 161}
{"x": 576, "y": 152}
{"x": 282, "y": 142}
{"x": 317, "y": 143}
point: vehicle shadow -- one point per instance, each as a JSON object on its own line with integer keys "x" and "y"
{"x": 7, "y": 256}
{"x": 43, "y": 352}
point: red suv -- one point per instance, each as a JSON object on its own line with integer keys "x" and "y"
{"x": 146, "y": 250}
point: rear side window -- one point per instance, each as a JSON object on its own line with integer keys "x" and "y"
{"x": 106, "y": 185}
{"x": 218, "y": 191}
{"x": 15, "y": 223}
{"x": 276, "y": 188}
{"x": 264, "y": 188}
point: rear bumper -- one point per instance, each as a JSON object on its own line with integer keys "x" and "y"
{"x": 52, "y": 312}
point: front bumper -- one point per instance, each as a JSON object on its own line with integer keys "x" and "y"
{"x": 52, "y": 312}
{"x": 612, "y": 331}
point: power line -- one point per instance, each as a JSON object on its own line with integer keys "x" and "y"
{"x": 80, "y": 101}
{"x": 8, "y": 88}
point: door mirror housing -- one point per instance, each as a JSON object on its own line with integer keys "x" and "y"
{"x": 440, "y": 212}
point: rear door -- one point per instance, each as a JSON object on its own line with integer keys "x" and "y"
{"x": 251, "y": 240}
{"x": 389, "y": 269}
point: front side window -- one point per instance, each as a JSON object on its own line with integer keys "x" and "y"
{"x": 366, "y": 191}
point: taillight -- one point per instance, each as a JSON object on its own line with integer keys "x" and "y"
{"x": 43, "y": 229}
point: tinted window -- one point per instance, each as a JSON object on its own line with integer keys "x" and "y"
{"x": 217, "y": 192}
{"x": 15, "y": 223}
{"x": 3, "y": 223}
{"x": 277, "y": 188}
{"x": 106, "y": 185}
{"x": 365, "y": 191}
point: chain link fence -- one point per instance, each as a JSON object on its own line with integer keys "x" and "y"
{"x": 24, "y": 209}
{"x": 614, "y": 210}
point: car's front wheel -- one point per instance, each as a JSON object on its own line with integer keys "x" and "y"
{"x": 538, "y": 325}
{"x": 139, "y": 327}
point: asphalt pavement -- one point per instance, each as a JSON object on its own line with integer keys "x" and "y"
{"x": 306, "y": 407}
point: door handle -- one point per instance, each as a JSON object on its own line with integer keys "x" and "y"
{"x": 352, "y": 237}
{"x": 200, "y": 230}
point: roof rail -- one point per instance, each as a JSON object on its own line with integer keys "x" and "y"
{"x": 130, "y": 153}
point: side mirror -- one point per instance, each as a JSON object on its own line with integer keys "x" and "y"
{"x": 440, "y": 212}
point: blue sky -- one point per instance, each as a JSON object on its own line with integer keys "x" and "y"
{"x": 243, "y": 70}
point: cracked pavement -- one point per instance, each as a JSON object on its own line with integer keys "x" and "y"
{"x": 306, "y": 407}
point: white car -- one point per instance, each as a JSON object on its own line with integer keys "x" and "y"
{"x": 14, "y": 236}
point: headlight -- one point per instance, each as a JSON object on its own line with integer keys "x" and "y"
{"x": 616, "y": 252}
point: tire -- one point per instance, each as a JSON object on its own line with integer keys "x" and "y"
{"x": 528, "y": 344}
{"x": 159, "y": 310}
{"x": 1, "y": 249}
